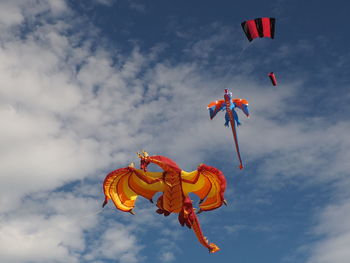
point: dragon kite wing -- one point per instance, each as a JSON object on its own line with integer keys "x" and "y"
{"x": 208, "y": 183}
{"x": 125, "y": 184}
{"x": 242, "y": 104}
{"x": 214, "y": 107}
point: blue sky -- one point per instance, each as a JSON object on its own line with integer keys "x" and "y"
{"x": 86, "y": 84}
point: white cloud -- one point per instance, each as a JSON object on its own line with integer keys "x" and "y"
{"x": 46, "y": 230}
{"x": 44, "y": 109}
{"x": 167, "y": 257}
{"x": 105, "y": 2}
{"x": 334, "y": 232}
{"x": 10, "y": 13}
{"x": 14, "y": 12}
{"x": 116, "y": 243}
{"x": 137, "y": 5}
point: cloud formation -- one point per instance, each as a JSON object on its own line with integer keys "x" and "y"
{"x": 72, "y": 110}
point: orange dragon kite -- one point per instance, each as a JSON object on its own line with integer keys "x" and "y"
{"x": 208, "y": 183}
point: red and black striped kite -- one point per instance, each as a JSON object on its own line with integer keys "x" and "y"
{"x": 259, "y": 27}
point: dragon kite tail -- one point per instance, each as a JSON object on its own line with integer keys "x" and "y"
{"x": 188, "y": 217}
{"x": 234, "y": 132}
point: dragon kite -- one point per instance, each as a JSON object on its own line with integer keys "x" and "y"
{"x": 229, "y": 104}
{"x": 124, "y": 185}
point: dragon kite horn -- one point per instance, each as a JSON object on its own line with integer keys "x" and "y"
{"x": 145, "y": 154}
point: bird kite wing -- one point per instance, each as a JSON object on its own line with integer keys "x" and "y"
{"x": 208, "y": 183}
{"x": 125, "y": 184}
{"x": 214, "y": 107}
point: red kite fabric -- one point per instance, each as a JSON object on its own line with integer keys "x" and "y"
{"x": 259, "y": 27}
{"x": 273, "y": 78}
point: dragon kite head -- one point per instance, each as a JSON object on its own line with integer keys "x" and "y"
{"x": 144, "y": 160}
{"x": 228, "y": 93}
{"x": 163, "y": 162}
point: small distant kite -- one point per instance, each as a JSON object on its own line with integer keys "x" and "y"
{"x": 273, "y": 78}
{"x": 124, "y": 185}
{"x": 259, "y": 27}
{"x": 231, "y": 116}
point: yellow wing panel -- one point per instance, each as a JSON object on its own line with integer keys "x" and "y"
{"x": 122, "y": 196}
{"x": 208, "y": 183}
{"x": 213, "y": 199}
{"x": 194, "y": 182}
{"x": 190, "y": 176}
{"x": 145, "y": 186}
{"x": 125, "y": 184}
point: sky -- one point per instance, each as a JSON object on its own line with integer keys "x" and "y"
{"x": 86, "y": 84}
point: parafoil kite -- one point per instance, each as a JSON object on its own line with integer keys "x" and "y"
{"x": 259, "y": 27}
{"x": 124, "y": 185}
{"x": 229, "y": 104}
{"x": 273, "y": 78}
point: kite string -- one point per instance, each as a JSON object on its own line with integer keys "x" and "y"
{"x": 75, "y": 220}
{"x": 90, "y": 215}
{"x": 238, "y": 56}
{"x": 95, "y": 213}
